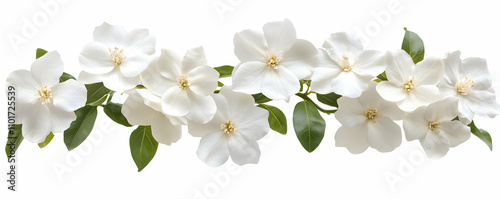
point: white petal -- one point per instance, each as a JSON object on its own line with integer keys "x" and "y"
{"x": 383, "y": 135}
{"x": 141, "y": 40}
{"x": 169, "y": 64}
{"x": 280, "y": 84}
{"x": 325, "y": 60}
{"x": 47, "y": 69}
{"x": 203, "y": 80}
{"x": 280, "y": 35}
{"x": 342, "y": 43}
{"x": 26, "y": 87}
{"x": 150, "y": 99}
{"x": 114, "y": 80}
{"x": 434, "y": 146}
{"x": 69, "y": 95}
{"x": 152, "y": 79}
{"x": 477, "y": 70}
{"x": 237, "y": 103}
{"x": 301, "y": 59}
{"x": 443, "y": 110}
{"x": 452, "y": 64}
{"x": 249, "y": 45}
{"x": 354, "y": 139}
{"x": 455, "y": 132}
{"x": 202, "y": 108}
{"x": 391, "y": 92}
{"x": 370, "y": 63}
{"x": 193, "y": 58}
{"x": 400, "y": 66}
{"x": 134, "y": 64}
{"x": 110, "y": 35}
{"x": 61, "y": 120}
{"x": 95, "y": 58}
{"x": 466, "y": 115}
{"x": 136, "y": 112}
{"x": 420, "y": 96}
{"x": 89, "y": 78}
{"x": 415, "y": 124}
{"x": 242, "y": 150}
{"x": 350, "y": 84}
{"x": 371, "y": 99}
{"x": 429, "y": 71}
{"x": 175, "y": 102}
{"x": 164, "y": 131}
{"x": 37, "y": 125}
{"x": 321, "y": 80}
{"x": 350, "y": 112}
{"x": 253, "y": 124}
{"x": 447, "y": 90}
{"x": 483, "y": 102}
{"x": 200, "y": 130}
{"x": 213, "y": 149}
{"x": 248, "y": 77}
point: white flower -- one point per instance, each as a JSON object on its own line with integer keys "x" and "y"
{"x": 368, "y": 121}
{"x": 344, "y": 68}
{"x": 43, "y": 104}
{"x": 273, "y": 62}
{"x": 234, "y": 130}
{"x": 144, "y": 108}
{"x": 411, "y": 86}
{"x": 116, "y": 57}
{"x": 434, "y": 127}
{"x": 185, "y": 86}
{"x": 470, "y": 81}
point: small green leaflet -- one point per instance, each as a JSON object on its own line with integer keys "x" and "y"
{"x": 65, "y": 76}
{"x": 260, "y": 98}
{"x": 80, "y": 129}
{"x": 114, "y": 112}
{"x": 96, "y": 93}
{"x": 47, "y": 140}
{"x": 142, "y": 146}
{"x": 277, "y": 120}
{"x": 329, "y": 99}
{"x": 14, "y": 139}
{"x": 224, "y": 71}
{"x": 309, "y": 125}
{"x": 481, "y": 134}
{"x": 413, "y": 45}
{"x": 40, "y": 52}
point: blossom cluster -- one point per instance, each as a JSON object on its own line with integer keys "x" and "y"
{"x": 436, "y": 98}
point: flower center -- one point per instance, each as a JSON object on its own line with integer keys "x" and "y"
{"x": 464, "y": 86}
{"x": 434, "y": 126}
{"x": 345, "y": 64}
{"x": 273, "y": 61}
{"x": 229, "y": 127}
{"x": 372, "y": 114}
{"x": 183, "y": 82}
{"x": 44, "y": 94}
{"x": 409, "y": 85}
{"x": 116, "y": 55}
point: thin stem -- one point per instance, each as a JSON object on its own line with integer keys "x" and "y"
{"x": 306, "y": 98}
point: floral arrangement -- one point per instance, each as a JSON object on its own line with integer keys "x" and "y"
{"x": 367, "y": 90}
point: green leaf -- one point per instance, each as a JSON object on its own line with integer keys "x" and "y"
{"x": 413, "y": 45}
{"x": 96, "y": 93}
{"x": 329, "y": 99}
{"x": 142, "y": 146}
{"x": 277, "y": 120}
{"x": 40, "y": 52}
{"x": 140, "y": 86}
{"x": 382, "y": 76}
{"x": 65, "y": 76}
{"x": 14, "y": 139}
{"x": 309, "y": 125}
{"x": 114, "y": 111}
{"x": 224, "y": 71}
{"x": 47, "y": 140}
{"x": 260, "y": 98}
{"x": 481, "y": 134}
{"x": 80, "y": 129}
{"x": 220, "y": 84}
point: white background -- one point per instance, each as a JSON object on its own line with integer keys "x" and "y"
{"x": 104, "y": 167}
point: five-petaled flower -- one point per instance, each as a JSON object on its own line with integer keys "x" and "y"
{"x": 344, "y": 68}
{"x": 45, "y": 105}
{"x": 234, "y": 130}
{"x": 272, "y": 62}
